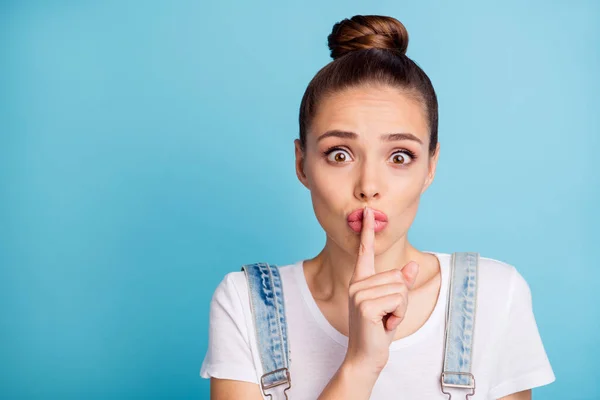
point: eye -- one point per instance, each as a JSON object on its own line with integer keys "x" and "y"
{"x": 402, "y": 157}
{"x": 337, "y": 155}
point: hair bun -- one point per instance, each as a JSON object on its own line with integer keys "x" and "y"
{"x": 366, "y": 32}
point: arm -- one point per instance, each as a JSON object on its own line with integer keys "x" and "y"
{"x": 521, "y": 363}
{"x": 228, "y": 361}
{"x": 227, "y": 389}
{"x": 349, "y": 383}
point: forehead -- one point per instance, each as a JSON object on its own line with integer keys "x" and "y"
{"x": 371, "y": 111}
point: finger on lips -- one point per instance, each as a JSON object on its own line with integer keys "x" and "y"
{"x": 365, "y": 263}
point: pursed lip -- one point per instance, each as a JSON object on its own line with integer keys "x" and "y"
{"x": 357, "y": 215}
{"x": 355, "y": 220}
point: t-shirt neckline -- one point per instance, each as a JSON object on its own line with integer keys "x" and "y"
{"x": 423, "y": 332}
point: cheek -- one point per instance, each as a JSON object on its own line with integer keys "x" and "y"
{"x": 406, "y": 189}
{"x": 327, "y": 190}
{"x": 330, "y": 191}
{"x": 327, "y": 182}
{"x": 406, "y": 194}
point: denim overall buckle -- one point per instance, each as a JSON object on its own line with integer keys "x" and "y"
{"x": 287, "y": 381}
{"x": 455, "y": 385}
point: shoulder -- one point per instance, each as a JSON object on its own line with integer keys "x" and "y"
{"x": 234, "y": 285}
{"x": 490, "y": 270}
{"x": 230, "y": 297}
{"x": 502, "y": 284}
{"x": 496, "y": 268}
{"x": 502, "y": 273}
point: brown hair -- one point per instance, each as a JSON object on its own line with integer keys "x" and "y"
{"x": 369, "y": 49}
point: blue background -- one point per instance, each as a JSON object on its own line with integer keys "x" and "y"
{"x": 146, "y": 149}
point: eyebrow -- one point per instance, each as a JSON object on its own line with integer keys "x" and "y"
{"x": 389, "y": 137}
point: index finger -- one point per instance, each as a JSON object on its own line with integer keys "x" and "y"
{"x": 365, "y": 262}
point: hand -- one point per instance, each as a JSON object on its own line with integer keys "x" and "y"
{"x": 377, "y": 304}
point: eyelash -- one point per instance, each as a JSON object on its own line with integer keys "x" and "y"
{"x": 405, "y": 151}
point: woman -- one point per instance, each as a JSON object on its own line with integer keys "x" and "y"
{"x": 366, "y": 315}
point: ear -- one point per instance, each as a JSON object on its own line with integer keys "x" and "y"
{"x": 432, "y": 167}
{"x": 300, "y": 157}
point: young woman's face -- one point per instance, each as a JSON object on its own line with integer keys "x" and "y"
{"x": 367, "y": 145}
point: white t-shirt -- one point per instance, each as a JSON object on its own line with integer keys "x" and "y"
{"x": 508, "y": 354}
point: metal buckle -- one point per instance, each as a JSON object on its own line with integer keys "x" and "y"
{"x": 277, "y": 383}
{"x": 469, "y": 386}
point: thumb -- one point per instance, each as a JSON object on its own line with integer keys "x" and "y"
{"x": 410, "y": 272}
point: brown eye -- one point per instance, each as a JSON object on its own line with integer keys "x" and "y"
{"x": 338, "y": 156}
{"x": 401, "y": 158}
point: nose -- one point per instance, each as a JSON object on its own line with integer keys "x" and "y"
{"x": 368, "y": 186}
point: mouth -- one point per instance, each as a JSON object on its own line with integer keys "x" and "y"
{"x": 355, "y": 220}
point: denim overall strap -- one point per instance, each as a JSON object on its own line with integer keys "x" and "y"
{"x": 268, "y": 311}
{"x": 460, "y": 323}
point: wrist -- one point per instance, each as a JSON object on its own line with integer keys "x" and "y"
{"x": 358, "y": 372}
{"x": 350, "y": 382}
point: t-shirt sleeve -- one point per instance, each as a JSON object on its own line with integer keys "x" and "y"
{"x": 229, "y": 355}
{"x": 522, "y": 362}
